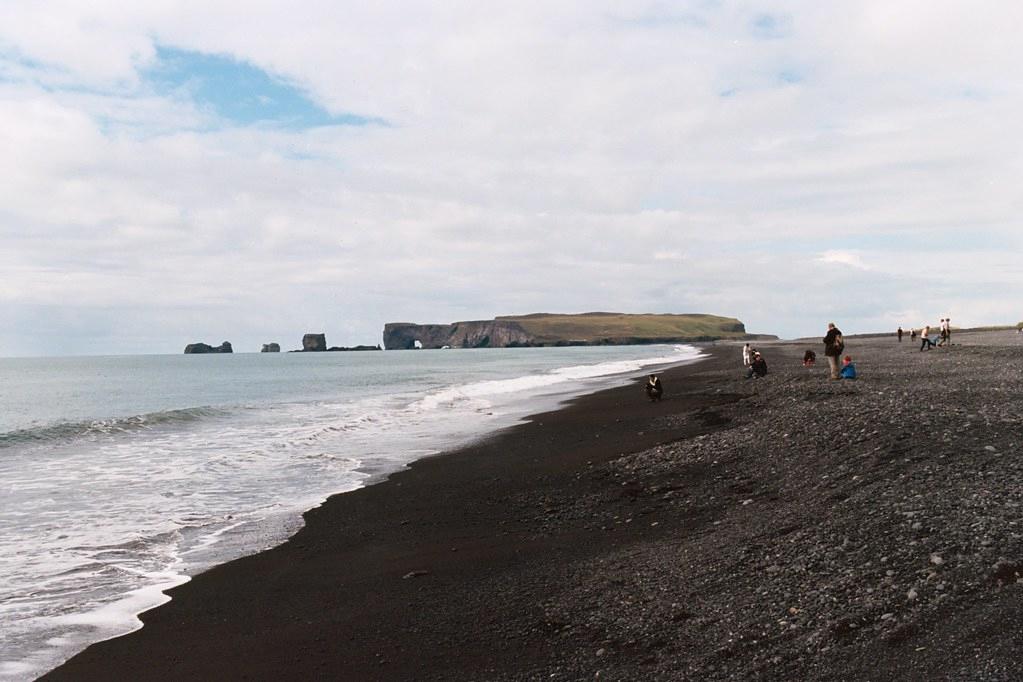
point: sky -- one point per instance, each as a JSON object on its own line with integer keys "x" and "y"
{"x": 180, "y": 171}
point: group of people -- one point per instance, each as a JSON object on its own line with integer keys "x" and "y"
{"x": 929, "y": 341}
{"x": 841, "y": 367}
{"x": 754, "y": 362}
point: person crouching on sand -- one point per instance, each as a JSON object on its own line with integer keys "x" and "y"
{"x": 809, "y": 358}
{"x": 848, "y": 368}
{"x": 654, "y": 390}
{"x": 758, "y": 368}
{"x": 833, "y": 347}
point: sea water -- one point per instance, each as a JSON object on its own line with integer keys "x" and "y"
{"x": 122, "y": 476}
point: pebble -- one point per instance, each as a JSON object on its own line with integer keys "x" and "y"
{"x": 414, "y": 574}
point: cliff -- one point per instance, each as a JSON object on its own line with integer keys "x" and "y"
{"x": 586, "y": 329}
{"x": 480, "y": 334}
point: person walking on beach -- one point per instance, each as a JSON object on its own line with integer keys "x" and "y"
{"x": 833, "y": 347}
{"x": 899, "y": 334}
{"x": 747, "y": 355}
{"x": 925, "y": 338}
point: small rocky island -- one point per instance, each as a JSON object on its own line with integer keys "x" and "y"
{"x": 201, "y": 348}
{"x": 317, "y": 343}
{"x": 311, "y": 343}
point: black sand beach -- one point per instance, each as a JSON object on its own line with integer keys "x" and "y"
{"x": 781, "y": 528}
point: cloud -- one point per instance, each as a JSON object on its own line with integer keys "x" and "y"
{"x": 191, "y": 171}
{"x": 676, "y": 256}
{"x": 847, "y": 258}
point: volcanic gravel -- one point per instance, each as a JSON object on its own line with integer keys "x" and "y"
{"x": 864, "y": 529}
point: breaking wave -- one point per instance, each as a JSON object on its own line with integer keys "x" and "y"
{"x": 70, "y": 431}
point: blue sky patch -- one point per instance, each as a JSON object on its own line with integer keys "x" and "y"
{"x": 768, "y": 26}
{"x": 239, "y": 92}
{"x": 789, "y": 76}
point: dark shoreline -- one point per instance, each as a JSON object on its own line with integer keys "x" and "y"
{"x": 786, "y": 528}
{"x": 334, "y": 602}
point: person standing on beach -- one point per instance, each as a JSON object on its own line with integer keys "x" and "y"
{"x": 747, "y": 355}
{"x": 833, "y": 347}
{"x": 948, "y": 331}
{"x": 899, "y": 333}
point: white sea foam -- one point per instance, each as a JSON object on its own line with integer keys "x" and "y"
{"x": 103, "y": 514}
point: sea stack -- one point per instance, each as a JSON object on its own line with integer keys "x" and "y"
{"x": 314, "y": 343}
{"x": 201, "y": 348}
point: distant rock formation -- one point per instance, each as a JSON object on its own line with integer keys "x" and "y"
{"x": 314, "y": 343}
{"x": 353, "y": 348}
{"x": 584, "y": 329}
{"x": 481, "y": 334}
{"x": 271, "y": 348}
{"x": 200, "y": 348}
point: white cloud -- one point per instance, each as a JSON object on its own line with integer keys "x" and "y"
{"x": 848, "y": 258}
{"x": 860, "y": 148}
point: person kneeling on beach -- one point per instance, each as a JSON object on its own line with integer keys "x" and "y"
{"x": 654, "y": 390}
{"x": 848, "y": 368}
{"x": 809, "y": 357}
{"x": 759, "y": 367}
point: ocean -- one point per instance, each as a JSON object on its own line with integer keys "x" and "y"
{"x": 123, "y": 476}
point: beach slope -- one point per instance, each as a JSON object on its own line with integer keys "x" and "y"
{"x": 779, "y": 528}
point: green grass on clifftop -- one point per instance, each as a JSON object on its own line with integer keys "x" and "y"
{"x": 591, "y": 327}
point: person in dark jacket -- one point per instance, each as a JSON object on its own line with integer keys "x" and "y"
{"x": 899, "y": 333}
{"x": 758, "y": 368}
{"x": 654, "y": 390}
{"x": 833, "y": 347}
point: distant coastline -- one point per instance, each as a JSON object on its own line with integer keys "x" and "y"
{"x": 584, "y": 329}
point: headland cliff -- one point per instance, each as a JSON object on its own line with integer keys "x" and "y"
{"x": 585, "y": 329}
